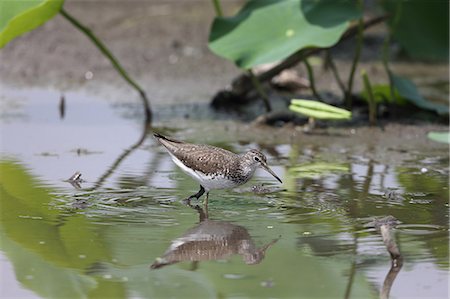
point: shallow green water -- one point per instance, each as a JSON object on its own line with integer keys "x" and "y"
{"x": 312, "y": 237}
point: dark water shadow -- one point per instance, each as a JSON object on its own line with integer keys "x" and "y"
{"x": 212, "y": 240}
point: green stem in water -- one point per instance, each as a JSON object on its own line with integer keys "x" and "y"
{"x": 115, "y": 63}
{"x": 260, "y": 90}
{"x": 372, "y": 103}
{"x": 311, "y": 78}
{"x": 217, "y": 8}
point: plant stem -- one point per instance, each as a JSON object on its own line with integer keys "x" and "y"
{"x": 217, "y": 8}
{"x": 386, "y": 50}
{"x": 335, "y": 72}
{"x": 311, "y": 78}
{"x": 372, "y": 103}
{"x": 359, "y": 40}
{"x": 260, "y": 90}
{"x": 115, "y": 63}
{"x": 245, "y": 85}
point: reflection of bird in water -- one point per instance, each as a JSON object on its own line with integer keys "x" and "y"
{"x": 212, "y": 240}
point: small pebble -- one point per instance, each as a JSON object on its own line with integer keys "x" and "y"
{"x": 88, "y": 75}
{"x": 233, "y": 276}
{"x": 267, "y": 284}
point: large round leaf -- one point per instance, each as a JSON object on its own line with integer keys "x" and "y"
{"x": 270, "y": 30}
{"x": 18, "y": 17}
{"x": 408, "y": 90}
{"x": 421, "y": 28}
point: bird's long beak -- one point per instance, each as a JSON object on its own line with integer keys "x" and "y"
{"x": 270, "y": 171}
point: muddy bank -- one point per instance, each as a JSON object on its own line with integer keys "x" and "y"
{"x": 163, "y": 44}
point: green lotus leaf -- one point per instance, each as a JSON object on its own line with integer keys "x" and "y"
{"x": 422, "y": 27}
{"x": 18, "y": 17}
{"x": 408, "y": 90}
{"x": 265, "y": 31}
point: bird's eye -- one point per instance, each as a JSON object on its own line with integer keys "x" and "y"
{"x": 257, "y": 159}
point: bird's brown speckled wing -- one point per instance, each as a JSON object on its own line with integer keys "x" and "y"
{"x": 200, "y": 157}
{"x": 207, "y": 159}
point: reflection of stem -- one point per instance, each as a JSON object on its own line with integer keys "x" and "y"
{"x": 311, "y": 78}
{"x": 351, "y": 278}
{"x": 368, "y": 180}
{"x": 119, "y": 159}
{"x": 260, "y": 90}
{"x": 370, "y": 97}
{"x": 113, "y": 60}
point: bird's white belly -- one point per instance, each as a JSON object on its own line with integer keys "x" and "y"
{"x": 209, "y": 182}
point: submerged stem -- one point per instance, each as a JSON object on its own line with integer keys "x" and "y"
{"x": 114, "y": 62}
{"x": 260, "y": 90}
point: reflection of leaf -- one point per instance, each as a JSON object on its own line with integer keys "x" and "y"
{"x": 408, "y": 90}
{"x": 443, "y": 137}
{"x": 315, "y": 170}
{"x": 319, "y": 110}
{"x": 18, "y": 17}
{"x": 266, "y": 31}
{"x": 43, "y": 277}
{"x": 37, "y": 234}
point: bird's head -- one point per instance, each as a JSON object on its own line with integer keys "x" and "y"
{"x": 255, "y": 159}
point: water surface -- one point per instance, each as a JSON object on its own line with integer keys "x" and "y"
{"x": 124, "y": 232}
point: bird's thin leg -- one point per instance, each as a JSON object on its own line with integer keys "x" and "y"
{"x": 196, "y": 195}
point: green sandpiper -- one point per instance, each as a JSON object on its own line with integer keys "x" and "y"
{"x": 214, "y": 167}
